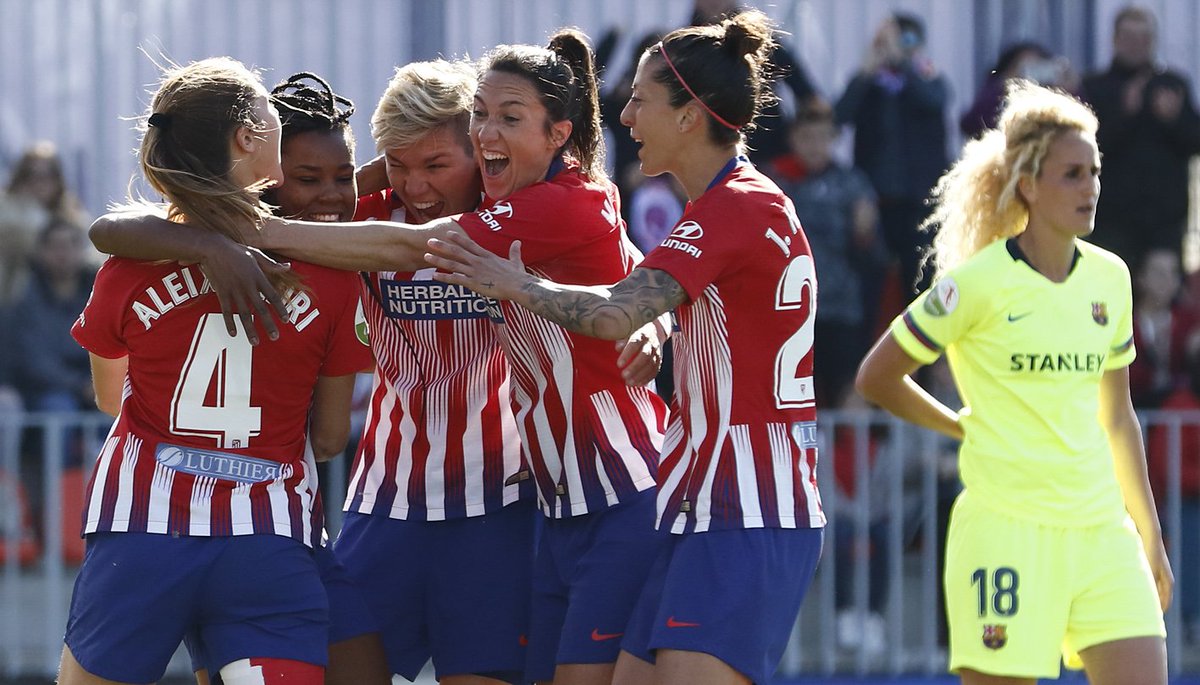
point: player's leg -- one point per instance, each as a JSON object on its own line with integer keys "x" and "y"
{"x": 632, "y": 670}
{"x": 548, "y": 603}
{"x": 479, "y": 612}
{"x": 729, "y": 602}
{"x": 1008, "y": 590}
{"x": 970, "y": 677}
{"x": 386, "y": 561}
{"x": 614, "y": 551}
{"x": 583, "y": 674}
{"x": 359, "y": 660}
{"x": 133, "y": 600}
{"x": 265, "y": 616}
{"x": 71, "y": 673}
{"x": 1116, "y": 624}
{"x": 696, "y": 668}
{"x": 356, "y": 653}
{"x": 1140, "y": 660}
{"x": 635, "y": 663}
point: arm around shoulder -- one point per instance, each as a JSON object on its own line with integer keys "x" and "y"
{"x": 357, "y": 246}
{"x": 142, "y": 233}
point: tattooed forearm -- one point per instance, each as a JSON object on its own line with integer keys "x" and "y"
{"x": 612, "y": 312}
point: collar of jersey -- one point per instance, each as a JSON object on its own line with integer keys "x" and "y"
{"x": 556, "y": 167}
{"x": 729, "y": 167}
{"x": 1017, "y": 253}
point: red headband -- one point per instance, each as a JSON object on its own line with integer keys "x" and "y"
{"x": 662, "y": 49}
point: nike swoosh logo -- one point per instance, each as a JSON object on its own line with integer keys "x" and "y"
{"x": 1018, "y": 317}
{"x": 672, "y": 623}
{"x": 598, "y": 636}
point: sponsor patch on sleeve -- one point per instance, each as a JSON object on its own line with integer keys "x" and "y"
{"x": 942, "y": 298}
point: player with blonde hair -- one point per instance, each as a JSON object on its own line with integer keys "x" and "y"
{"x": 1054, "y": 544}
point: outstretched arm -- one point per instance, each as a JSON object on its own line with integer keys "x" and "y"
{"x": 608, "y": 312}
{"x": 356, "y": 246}
{"x": 235, "y": 271}
{"x": 1120, "y": 423}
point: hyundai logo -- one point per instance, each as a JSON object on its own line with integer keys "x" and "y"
{"x": 688, "y": 230}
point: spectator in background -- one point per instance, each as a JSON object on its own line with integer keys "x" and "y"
{"x": 1027, "y": 60}
{"x": 836, "y": 204}
{"x": 1149, "y": 130}
{"x": 1184, "y": 398}
{"x": 53, "y": 372}
{"x": 36, "y": 192}
{"x": 789, "y": 82}
{"x": 1164, "y": 325}
{"x": 897, "y": 103}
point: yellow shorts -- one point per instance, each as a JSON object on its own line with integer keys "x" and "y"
{"x": 1020, "y": 595}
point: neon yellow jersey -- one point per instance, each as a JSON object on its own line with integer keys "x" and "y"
{"x": 1027, "y": 356}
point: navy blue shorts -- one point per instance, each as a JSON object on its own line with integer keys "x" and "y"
{"x": 249, "y": 596}
{"x": 734, "y": 594}
{"x": 590, "y": 571}
{"x": 349, "y": 615}
{"x": 455, "y": 591}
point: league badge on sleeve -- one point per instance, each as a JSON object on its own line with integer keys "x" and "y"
{"x": 942, "y": 298}
{"x": 361, "y": 329}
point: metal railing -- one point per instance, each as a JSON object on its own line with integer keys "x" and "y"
{"x": 874, "y": 606}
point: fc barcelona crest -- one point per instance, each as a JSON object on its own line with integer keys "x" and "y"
{"x": 1100, "y": 313}
{"x": 994, "y": 636}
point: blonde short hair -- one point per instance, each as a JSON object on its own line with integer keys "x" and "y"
{"x": 421, "y": 97}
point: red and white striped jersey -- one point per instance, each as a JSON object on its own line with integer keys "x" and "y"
{"x": 440, "y": 440}
{"x": 741, "y": 446}
{"x": 211, "y": 436}
{"x": 590, "y": 439}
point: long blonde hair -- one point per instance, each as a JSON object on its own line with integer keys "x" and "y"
{"x": 976, "y": 202}
{"x": 185, "y": 149}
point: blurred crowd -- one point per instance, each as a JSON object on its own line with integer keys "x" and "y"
{"x": 863, "y": 216}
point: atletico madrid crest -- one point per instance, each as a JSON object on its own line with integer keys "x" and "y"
{"x": 994, "y": 636}
{"x": 1100, "y": 313}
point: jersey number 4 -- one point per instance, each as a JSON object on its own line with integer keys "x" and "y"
{"x": 797, "y": 290}
{"x": 221, "y": 363}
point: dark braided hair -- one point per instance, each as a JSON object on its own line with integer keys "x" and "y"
{"x": 306, "y": 102}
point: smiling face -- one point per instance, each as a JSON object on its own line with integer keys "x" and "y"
{"x": 651, "y": 119}
{"x": 435, "y": 176}
{"x": 514, "y": 140}
{"x": 1062, "y": 199}
{"x": 318, "y": 173}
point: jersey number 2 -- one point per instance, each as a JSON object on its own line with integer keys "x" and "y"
{"x": 797, "y": 290}
{"x": 222, "y": 363}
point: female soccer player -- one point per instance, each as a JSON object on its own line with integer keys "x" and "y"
{"x": 737, "y": 479}
{"x": 200, "y": 511}
{"x": 317, "y": 159}
{"x": 590, "y": 441}
{"x": 1043, "y": 551}
{"x": 438, "y": 531}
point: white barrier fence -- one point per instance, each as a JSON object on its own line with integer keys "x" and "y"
{"x": 873, "y": 608}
